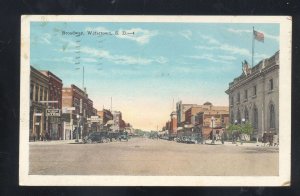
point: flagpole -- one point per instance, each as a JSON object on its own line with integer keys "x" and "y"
{"x": 252, "y": 47}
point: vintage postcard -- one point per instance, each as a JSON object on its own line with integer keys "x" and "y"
{"x": 155, "y": 100}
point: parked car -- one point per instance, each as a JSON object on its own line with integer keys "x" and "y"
{"x": 123, "y": 135}
{"x": 100, "y": 137}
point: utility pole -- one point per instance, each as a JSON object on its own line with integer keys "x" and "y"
{"x": 111, "y": 104}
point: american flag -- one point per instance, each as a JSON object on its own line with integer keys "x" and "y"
{"x": 258, "y": 36}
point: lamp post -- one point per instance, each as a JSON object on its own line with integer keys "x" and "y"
{"x": 77, "y": 131}
{"x": 243, "y": 122}
{"x": 234, "y": 133}
{"x": 212, "y": 130}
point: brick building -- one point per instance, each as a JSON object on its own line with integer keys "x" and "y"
{"x": 39, "y": 91}
{"x": 54, "y": 125}
{"x": 212, "y": 119}
{"x": 105, "y": 115}
{"x": 73, "y": 96}
{"x": 180, "y": 110}
{"x": 193, "y": 110}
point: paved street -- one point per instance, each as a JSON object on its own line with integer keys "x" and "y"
{"x": 142, "y": 156}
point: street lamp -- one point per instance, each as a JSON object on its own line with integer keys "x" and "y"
{"x": 212, "y": 129}
{"x": 234, "y": 133}
{"x": 243, "y": 120}
{"x": 77, "y": 131}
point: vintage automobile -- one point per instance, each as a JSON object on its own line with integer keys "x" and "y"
{"x": 113, "y": 136}
{"x": 99, "y": 137}
{"x": 187, "y": 135}
{"x": 123, "y": 135}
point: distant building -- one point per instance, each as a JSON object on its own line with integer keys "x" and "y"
{"x": 192, "y": 111}
{"x": 212, "y": 119}
{"x": 254, "y": 96}
{"x": 168, "y": 126}
{"x": 55, "y": 84}
{"x": 173, "y": 124}
{"x": 200, "y": 116}
{"x": 94, "y": 113}
{"x": 39, "y": 91}
{"x": 180, "y": 110}
{"x": 105, "y": 115}
{"x": 117, "y": 118}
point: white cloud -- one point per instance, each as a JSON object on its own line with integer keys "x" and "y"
{"x": 213, "y": 58}
{"x": 42, "y": 39}
{"x": 46, "y": 38}
{"x": 141, "y": 36}
{"x": 228, "y": 58}
{"x": 276, "y": 38}
{"x": 187, "y": 34}
{"x": 241, "y": 31}
{"x": 210, "y": 40}
{"x": 89, "y": 60}
{"x": 60, "y": 60}
{"x": 98, "y": 29}
{"x": 227, "y": 48}
{"x": 122, "y": 59}
{"x": 161, "y": 60}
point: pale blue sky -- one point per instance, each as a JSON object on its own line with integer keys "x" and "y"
{"x": 193, "y": 62}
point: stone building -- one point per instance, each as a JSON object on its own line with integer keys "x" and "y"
{"x": 254, "y": 96}
{"x": 39, "y": 92}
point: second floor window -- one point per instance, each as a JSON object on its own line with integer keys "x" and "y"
{"x": 41, "y": 94}
{"x": 254, "y": 90}
{"x": 271, "y": 85}
{"x": 31, "y": 91}
{"x": 238, "y": 98}
{"x": 36, "y": 93}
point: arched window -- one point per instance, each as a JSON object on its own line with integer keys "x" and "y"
{"x": 238, "y": 116}
{"x": 272, "y": 116}
{"x": 232, "y": 117}
{"x": 246, "y": 114}
{"x": 255, "y": 118}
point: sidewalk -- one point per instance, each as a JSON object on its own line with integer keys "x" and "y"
{"x": 245, "y": 144}
{"x": 50, "y": 142}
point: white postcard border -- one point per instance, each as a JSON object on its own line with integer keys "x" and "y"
{"x": 80, "y": 180}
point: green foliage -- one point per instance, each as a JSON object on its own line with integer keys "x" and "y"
{"x": 232, "y": 128}
{"x": 247, "y": 128}
{"x": 139, "y": 132}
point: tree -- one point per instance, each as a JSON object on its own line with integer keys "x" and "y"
{"x": 233, "y": 128}
{"x": 247, "y": 128}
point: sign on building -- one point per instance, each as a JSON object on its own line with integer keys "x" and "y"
{"x": 94, "y": 119}
{"x": 53, "y": 112}
{"x": 67, "y": 109}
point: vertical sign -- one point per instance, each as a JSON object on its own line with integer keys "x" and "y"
{"x": 80, "y": 106}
